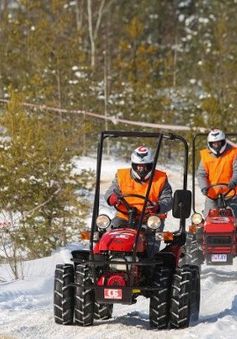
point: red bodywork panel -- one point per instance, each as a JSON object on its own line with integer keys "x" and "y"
{"x": 217, "y": 250}
{"x": 116, "y": 279}
{"x": 120, "y": 240}
{"x": 219, "y": 225}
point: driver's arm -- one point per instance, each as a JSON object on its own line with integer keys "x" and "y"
{"x": 165, "y": 198}
{"x": 202, "y": 177}
{"x": 114, "y": 188}
{"x": 233, "y": 180}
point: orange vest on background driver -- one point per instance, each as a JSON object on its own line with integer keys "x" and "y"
{"x": 128, "y": 185}
{"x": 219, "y": 170}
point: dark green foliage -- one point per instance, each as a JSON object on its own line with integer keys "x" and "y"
{"x": 161, "y": 61}
{"x": 36, "y": 181}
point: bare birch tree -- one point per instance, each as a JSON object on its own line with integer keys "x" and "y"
{"x": 94, "y": 29}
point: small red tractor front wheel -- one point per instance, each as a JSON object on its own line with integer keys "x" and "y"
{"x": 159, "y": 301}
{"x": 185, "y": 297}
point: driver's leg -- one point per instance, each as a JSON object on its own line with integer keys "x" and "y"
{"x": 209, "y": 204}
{"x": 118, "y": 222}
{"x": 153, "y": 245}
{"x": 233, "y": 204}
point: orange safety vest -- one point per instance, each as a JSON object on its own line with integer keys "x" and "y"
{"x": 128, "y": 185}
{"x": 219, "y": 170}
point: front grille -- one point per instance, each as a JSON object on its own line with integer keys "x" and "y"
{"x": 219, "y": 241}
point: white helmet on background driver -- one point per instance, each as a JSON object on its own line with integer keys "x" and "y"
{"x": 216, "y": 136}
{"x": 142, "y": 161}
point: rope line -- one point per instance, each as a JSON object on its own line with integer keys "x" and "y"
{"x": 113, "y": 119}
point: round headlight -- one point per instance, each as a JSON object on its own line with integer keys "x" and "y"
{"x": 196, "y": 218}
{"x": 103, "y": 221}
{"x": 153, "y": 222}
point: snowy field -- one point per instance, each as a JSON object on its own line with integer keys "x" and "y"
{"x": 26, "y": 306}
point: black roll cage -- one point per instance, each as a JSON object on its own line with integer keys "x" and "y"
{"x": 115, "y": 134}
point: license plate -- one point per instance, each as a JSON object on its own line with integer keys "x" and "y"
{"x": 113, "y": 293}
{"x": 219, "y": 257}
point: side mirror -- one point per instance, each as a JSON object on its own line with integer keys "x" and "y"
{"x": 182, "y": 204}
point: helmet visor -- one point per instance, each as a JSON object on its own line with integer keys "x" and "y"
{"x": 142, "y": 169}
{"x": 217, "y": 145}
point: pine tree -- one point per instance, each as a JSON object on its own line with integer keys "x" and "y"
{"x": 36, "y": 181}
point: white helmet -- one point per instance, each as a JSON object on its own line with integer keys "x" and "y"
{"x": 142, "y": 161}
{"x": 214, "y": 136}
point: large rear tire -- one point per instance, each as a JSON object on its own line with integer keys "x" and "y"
{"x": 84, "y": 298}
{"x": 195, "y": 292}
{"x": 64, "y": 294}
{"x": 159, "y": 301}
{"x": 103, "y": 311}
{"x": 180, "y": 310}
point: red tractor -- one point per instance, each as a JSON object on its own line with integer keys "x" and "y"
{"x": 117, "y": 269}
{"x": 212, "y": 240}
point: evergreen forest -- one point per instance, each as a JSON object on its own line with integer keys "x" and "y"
{"x": 71, "y": 68}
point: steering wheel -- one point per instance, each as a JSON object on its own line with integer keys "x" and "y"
{"x": 222, "y": 195}
{"x": 122, "y": 199}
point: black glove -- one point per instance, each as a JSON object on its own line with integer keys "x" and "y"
{"x": 204, "y": 190}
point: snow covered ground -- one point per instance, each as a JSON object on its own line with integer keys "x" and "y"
{"x": 26, "y": 306}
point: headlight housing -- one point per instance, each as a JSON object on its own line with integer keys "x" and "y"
{"x": 196, "y": 218}
{"x": 103, "y": 221}
{"x": 153, "y": 222}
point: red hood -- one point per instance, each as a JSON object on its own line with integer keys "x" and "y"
{"x": 219, "y": 224}
{"x": 120, "y": 240}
